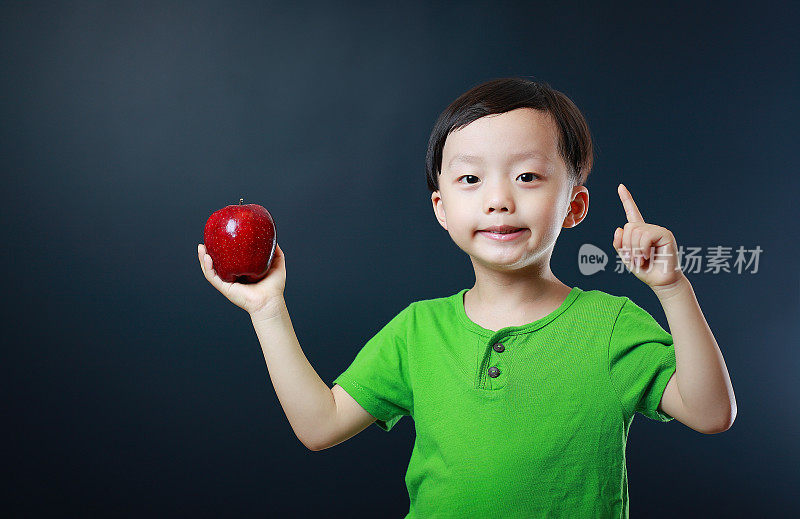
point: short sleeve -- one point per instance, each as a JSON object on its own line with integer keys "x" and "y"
{"x": 641, "y": 358}
{"x": 378, "y": 377}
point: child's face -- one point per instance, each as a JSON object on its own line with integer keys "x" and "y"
{"x": 497, "y": 187}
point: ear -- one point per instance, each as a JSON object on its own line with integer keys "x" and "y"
{"x": 578, "y": 207}
{"x": 438, "y": 209}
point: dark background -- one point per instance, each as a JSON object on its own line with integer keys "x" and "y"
{"x": 133, "y": 388}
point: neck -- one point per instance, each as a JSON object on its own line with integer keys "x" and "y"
{"x": 512, "y": 291}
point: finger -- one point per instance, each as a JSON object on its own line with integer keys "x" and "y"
{"x": 201, "y": 257}
{"x": 213, "y": 278}
{"x": 631, "y": 211}
{"x": 207, "y": 264}
{"x": 636, "y": 241}
{"x": 617, "y": 241}
{"x": 619, "y": 244}
{"x": 202, "y": 254}
{"x": 632, "y": 249}
{"x": 280, "y": 257}
{"x": 627, "y": 229}
{"x": 645, "y": 244}
{"x": 620, "y": 238}
{"x": 648, "y": 244}
{"x": 634, "y": 246}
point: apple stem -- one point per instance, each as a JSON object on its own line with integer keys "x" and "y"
{"x": 241, "y": 201}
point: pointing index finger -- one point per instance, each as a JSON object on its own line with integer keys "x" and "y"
{"x": 631, "y": 211}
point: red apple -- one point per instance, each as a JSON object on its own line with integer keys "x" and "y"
{"x": 241, "y": 242}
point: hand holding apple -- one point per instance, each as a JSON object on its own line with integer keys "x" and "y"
{"x": 263, "y": 295}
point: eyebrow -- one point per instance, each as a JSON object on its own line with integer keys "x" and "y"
{"x": 516, "y": 157}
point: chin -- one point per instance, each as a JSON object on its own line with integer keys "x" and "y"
{"x": 500, "y": 262}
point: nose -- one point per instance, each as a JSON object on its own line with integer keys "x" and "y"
{"x": 498, "y": 197}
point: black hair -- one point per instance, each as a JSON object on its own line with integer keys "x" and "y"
{"x": 505, "y": 94}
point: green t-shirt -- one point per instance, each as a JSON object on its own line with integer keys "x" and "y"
{"x": 528, "y": 421}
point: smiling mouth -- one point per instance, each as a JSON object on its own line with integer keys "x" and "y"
{"x": 503, "y": 236}
{"x": 503, "y": 232}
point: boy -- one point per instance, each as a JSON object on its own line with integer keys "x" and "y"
{"x": 522, "y": 389}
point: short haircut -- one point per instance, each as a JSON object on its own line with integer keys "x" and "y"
{"x": 505, "y": 94}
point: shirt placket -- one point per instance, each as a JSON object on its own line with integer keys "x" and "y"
{"x": 494, "y": 366}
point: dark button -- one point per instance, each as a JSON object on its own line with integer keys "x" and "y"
{"x": 499, "y": 348}
{"x": 494, "y": 372}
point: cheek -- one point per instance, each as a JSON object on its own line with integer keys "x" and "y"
{"x": 542, "y": 214}
{"x": 548, "y": 221}
{"x": 461, "y": 218}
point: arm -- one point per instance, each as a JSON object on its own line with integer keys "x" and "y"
{"x": 350, "y": 419}
{"x": 700, "y": 393}
{"x": 307, "y": 401}
{"x": 321, "y": 417}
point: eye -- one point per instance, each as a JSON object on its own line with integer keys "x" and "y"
{"x": 534, "y": 175}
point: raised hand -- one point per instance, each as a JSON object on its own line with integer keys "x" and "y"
{"x": 647, "y": 250}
